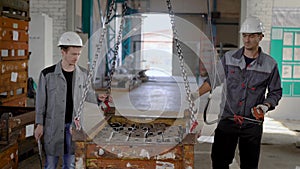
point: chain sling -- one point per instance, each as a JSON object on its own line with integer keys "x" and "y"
{"x": 193, "y": 117}
{"x": 92, "y": 69}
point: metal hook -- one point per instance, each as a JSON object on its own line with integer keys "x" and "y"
{"x": 107, "y": 107}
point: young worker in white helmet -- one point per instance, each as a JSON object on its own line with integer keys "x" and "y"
{"x": 58, "y": 96}
{"x": 248, "y": 74}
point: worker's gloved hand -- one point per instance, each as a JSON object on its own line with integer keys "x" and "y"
{"x": 263, "y": 107}
{"x": 195, "y": 95}
{"x": 103, "y": 97}
{"x": 259, "y": 111}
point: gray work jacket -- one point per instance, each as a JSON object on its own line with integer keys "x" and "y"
{"x": 245, "y": 87}
{"x": 51, "y": 104}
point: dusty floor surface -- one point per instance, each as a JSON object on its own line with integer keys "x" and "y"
{"x": 285, "y": 156}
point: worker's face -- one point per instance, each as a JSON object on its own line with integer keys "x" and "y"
{"x": 251, "y": 40}
{"x": 71, "y": 55}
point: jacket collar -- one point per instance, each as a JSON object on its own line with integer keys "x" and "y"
{"x": 58, "y": 68}
{"x": 239, "y": 54}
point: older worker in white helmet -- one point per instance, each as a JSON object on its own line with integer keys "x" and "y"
{"x": 252, "y": 87}
{"x": 58, "y": 97}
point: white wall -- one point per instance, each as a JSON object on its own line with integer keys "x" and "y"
{"x": 287, "y": 3}
{"x": 57, "y": 10}
{"x": 40, "y": 44}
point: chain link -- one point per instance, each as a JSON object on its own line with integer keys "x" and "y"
{"x": 98, "y": 51}
{"x": 116, "y": 49}
{"x": 181, "y": 62}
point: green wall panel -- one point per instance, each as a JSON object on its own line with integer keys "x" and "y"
{"x": 285, "y": 49}
{"x": 286, "y": 89}
{"x": 297, "y": 89}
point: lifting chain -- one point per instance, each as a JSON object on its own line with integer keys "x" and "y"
{"x": 192, "y": 109}
{"x": 98, "y": 51}
{"x": 113, "y": 63}
{"x": 116, "y": 48}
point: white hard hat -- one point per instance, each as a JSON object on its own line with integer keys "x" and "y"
{"x": 252, "y": 25}
{"x": 70, "y": 39}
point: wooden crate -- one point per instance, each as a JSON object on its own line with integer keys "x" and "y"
{"x": 9, "y": 156}
{"x": 16, "y": 122}
{"x": 13, "y": 51}
{"x": 14, "y": 39}
{"x": 18, "y": 102}
{"x": 181, "y": 156}
{"x": 12, "y": 35}
{"x": 10, "y": 79}
{"x": 20, "y": 126}
{"x": 13, "y": 66}
{"x": 18, "y": 9}
{"x": 14, "y": 23}
{"x": 132, "y": 154}
{"x": 27, "y": 148}
{"x": 13, "y": 30}
{"x": 9, "y": 93}
{"x": 13, "y": 77}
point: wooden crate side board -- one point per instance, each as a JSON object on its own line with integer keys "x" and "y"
{"x": 13, "y": 66}
{"x": 13, "y": 51}
{"x": 15, "y": 24}
{"x": 9, "y": 156}
{"x": 10, "y": 93}
{"x": 18, "y": 102}
{"x": 13, "y": 78}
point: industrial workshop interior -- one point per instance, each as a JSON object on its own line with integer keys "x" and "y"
{"x": 117, "y": 84}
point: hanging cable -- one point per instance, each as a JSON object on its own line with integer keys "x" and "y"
{"x": 214, "y": 70}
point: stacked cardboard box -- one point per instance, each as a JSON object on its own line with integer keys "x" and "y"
{"x": 14, "y": 55}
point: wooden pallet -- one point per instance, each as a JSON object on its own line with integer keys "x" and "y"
{"x": 18, "y": 9}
